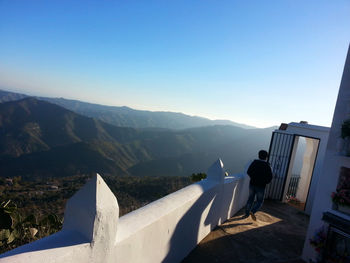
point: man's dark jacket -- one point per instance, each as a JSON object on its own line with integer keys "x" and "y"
{"x": 260, "y": 173}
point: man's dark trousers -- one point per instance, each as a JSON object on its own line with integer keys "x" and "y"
{"x": 259, "y": 192}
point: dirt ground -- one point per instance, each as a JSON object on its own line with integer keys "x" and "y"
{"x": 276, "y": 237}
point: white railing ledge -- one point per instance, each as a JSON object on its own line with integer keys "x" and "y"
{"x": 55, "y": 248}
{"x": 136, "y": 220}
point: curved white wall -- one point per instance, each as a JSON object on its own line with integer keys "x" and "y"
{"x": 163, "y": 231}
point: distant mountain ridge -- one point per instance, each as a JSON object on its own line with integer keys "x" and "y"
{"x": 38, "y": 138}
{"x": 6, "y": 96}
{"x": 128, "y": 117}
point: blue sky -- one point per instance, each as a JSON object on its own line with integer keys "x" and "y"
{"x": 255, "y": 62}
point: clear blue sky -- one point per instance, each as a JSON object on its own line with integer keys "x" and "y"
{"x": 255, "y": 62}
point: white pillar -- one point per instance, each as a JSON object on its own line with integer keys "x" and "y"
{"x": 93, "y": 212}
{"x": 216, "y": 172}
{"x": 88, "y": 233}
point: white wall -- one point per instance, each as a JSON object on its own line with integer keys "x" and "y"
{"x": 332, "y": 163}
{"x": 307, "y": 169}
{"x": 163, "y": 231}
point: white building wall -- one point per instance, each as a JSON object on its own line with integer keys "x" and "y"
{"x": 333, "y": 161}
{"x": 307, "y": 169}
{"x": 163, "y": 231}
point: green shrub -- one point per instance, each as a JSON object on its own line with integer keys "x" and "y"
{"x": 16, "y": 230}
{"x": 198, "y": 177}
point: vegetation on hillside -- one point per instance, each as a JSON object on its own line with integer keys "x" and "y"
{"x": 17, "y": 229}
{"x": 196, "y": 177}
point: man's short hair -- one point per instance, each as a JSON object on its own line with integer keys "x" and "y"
{"x": 263, "y": 155}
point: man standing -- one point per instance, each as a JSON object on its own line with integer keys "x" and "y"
{"x": 260, "y": 175}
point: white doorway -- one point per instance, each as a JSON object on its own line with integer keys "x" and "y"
{"x": 300, "y": 173}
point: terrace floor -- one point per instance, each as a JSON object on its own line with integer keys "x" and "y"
{"x": 276, "y": 237}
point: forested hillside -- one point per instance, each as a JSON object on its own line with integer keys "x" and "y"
{"x": 38, "y": 138}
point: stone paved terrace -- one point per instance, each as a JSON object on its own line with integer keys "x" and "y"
{"x": 276, "y": 237}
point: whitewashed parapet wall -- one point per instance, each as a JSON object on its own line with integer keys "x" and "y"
{"x": 163, "y": 231}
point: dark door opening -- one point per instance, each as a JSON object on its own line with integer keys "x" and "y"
{"x": 280, "y": 154}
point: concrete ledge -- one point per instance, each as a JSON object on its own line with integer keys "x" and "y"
{"x": 59, "y": 247}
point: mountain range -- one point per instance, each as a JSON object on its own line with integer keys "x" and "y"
{"x": 128, "y": 117}
{"x": 39, "y": 138}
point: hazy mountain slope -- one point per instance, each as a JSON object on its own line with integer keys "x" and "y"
{"x": 235, "y": 154}
{"x": 127, "y": 117}
{"x": 40, "y": 138}
{"x": 31, "y": 125}
{"x": 67, "y": 160}
{"x": 6, "y": 96}
{"x": 35, "y": 130}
